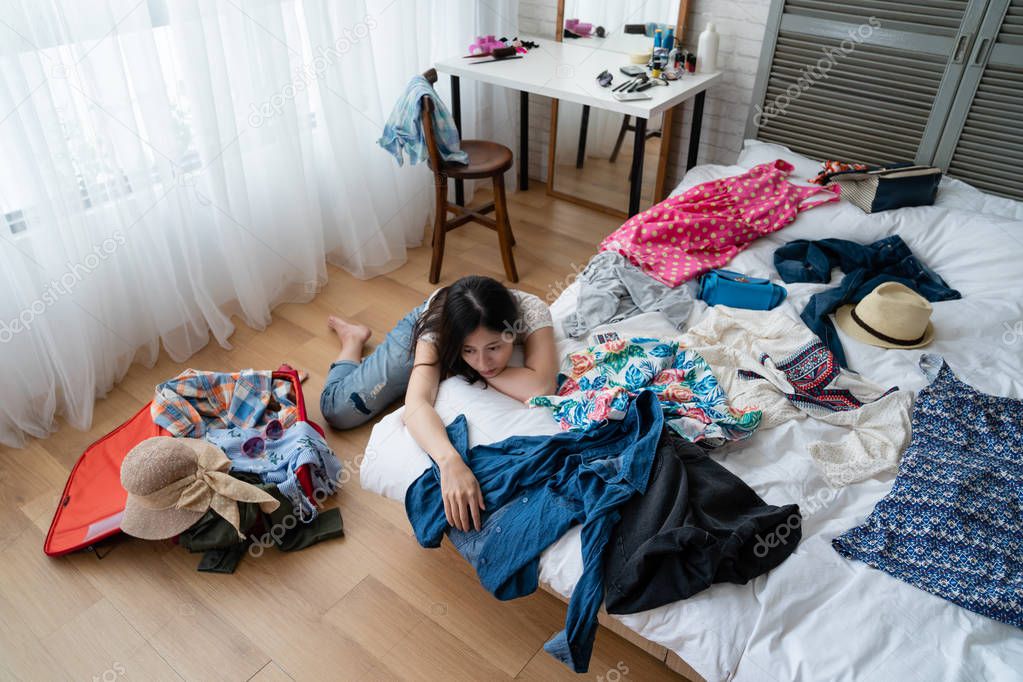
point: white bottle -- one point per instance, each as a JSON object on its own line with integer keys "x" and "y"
{"x": 707, "y": 50}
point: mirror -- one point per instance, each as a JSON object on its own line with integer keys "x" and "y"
{"x": 590, "y": 160}
{"x": 593, "y": 156}
{"x": 583, "y": 22}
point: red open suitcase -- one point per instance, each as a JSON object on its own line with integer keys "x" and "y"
{"x": 93, "y": 500}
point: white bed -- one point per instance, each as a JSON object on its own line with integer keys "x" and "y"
{"x": 818, "y": 616}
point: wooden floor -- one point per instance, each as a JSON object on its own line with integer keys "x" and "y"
{"x": 370, "y": 606}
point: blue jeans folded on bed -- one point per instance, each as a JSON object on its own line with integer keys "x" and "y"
{"x": 355, "y": 392}
{"x": 865, "y": 266}
{"x": 535, "y": 488}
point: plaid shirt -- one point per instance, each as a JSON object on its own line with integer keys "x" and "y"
{"x": 195, "y": 401}
{"x": 403, "y": 131}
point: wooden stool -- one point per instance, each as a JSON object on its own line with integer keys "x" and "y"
{"x": 486, "y": 160}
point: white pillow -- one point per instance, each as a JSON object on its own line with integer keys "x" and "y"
{"x": 755, "y": 152}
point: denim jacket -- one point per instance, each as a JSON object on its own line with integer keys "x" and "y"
{"x": 865, "y": 266}
{"x": 535, "y": 488}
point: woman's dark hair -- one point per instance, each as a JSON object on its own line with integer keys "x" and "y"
{"x": 456, "y": 311}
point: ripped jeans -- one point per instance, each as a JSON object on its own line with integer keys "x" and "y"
{"x": 355, "y": 392}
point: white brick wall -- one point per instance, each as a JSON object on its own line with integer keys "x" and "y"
{"x": 740, "y": 23}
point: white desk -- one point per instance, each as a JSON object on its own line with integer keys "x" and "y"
{"x": 568, "y": 71}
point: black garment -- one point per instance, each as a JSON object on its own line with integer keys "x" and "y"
{"x": 222, "y": 550}
{"x": 697, "y": 524}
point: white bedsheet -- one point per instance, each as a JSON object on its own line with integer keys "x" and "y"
{"x": 818, "y": 616}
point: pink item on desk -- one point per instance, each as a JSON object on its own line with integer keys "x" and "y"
{"x": 708, "y": 225}
{"x": 485, "y": 45}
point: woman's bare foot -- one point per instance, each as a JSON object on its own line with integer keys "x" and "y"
{"x": 352, "y": 337}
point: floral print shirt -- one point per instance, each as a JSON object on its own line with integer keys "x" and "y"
{"x": 606, "y": 377}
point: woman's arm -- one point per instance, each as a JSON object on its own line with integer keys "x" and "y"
{"x": 463, "y": 499}
{"x": 539, "y": 372}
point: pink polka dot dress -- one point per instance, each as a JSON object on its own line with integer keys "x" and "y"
{"x": 708, "y": 225}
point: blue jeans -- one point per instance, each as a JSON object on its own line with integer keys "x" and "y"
{"x": 355, "y": 392}
{"x": 865, "y": 265}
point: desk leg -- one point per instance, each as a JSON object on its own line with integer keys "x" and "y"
{"x": 523, "y": 140}
{"x": 636, "y": 175}
{"x": 695, "y": 128}
{"x": 456, "y": 113}
{"x": 580, "y": 155}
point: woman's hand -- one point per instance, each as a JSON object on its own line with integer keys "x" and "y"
{"x": 463, "y": 499}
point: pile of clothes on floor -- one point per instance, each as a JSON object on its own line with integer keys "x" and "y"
{"x": 661, "y": 519}
{"x": 240, "y": 471}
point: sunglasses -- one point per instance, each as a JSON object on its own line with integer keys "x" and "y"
{"x": 256, "y": 446}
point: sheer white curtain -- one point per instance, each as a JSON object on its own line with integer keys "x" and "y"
{"x": 170, "y": 163}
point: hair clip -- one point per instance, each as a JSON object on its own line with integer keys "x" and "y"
{"x": 604, "y": 78}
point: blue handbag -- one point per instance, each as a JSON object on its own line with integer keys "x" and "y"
{"x": 736, "y": 290}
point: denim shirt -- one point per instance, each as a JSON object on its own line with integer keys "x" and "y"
{"x": 535, "y": 488}
{"x": 865, "y": 265}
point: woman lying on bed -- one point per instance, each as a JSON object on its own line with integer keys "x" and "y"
{"x": 467, "y": 329}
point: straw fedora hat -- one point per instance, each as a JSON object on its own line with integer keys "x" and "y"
{"x": 890, "y": 316}
{"x": 173, "y": 482}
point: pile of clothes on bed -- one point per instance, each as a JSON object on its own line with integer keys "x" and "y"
{"x": 240, "y": 470}
{"x": 640, "y": 416}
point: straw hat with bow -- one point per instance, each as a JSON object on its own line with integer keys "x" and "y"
{"x": 172, "y": 482}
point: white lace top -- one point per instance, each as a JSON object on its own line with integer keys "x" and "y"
{"x": 735, "y": 341}
{"x": 533, "y": 314}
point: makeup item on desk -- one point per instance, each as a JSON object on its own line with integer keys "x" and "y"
{"x": 627, "y": 83}
{"x": 484, "y": 45}
{"x": 500, "y": 55}
{"x": 634, "y": 29}
{"x": 630, "y": 96}
{"x": 632, "y": 70}
{"x": 521, "y": 46}
{"x": 487, "y": 61}
{"x": 656, "y": 57}
{"x": 639, "y": 58}
{"x": 646, "y": 86}
{"x": 691, "y": 63}
{"x": 496, "y": 53}
{"x": 640, "y": 79}
{"x": 676, "y": 65}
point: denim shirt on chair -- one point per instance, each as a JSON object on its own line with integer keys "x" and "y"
{"x": 865, "y": 265}
{"x": 535, "y": 488}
